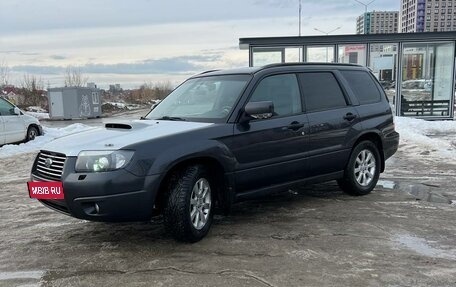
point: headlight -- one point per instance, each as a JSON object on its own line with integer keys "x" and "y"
{"x": 98, "y": 161}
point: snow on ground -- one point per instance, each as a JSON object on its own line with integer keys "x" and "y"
{"x": 438, "y": 137}
{"x": 40, "y": 116}
{"x": 49, "y": 135}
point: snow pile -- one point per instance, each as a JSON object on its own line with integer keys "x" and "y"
{"x": 117, "y": 104}
{"x": 40, "y": 116}
{"x": 49, "y": 135}
{"x": 435, "y": 136}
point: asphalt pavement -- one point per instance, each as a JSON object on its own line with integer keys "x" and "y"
{"x": 402, "y": 234}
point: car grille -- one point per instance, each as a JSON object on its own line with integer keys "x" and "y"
{"x": 50, "y": 165}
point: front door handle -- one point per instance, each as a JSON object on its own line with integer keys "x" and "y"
{"x": 349, "y": 117}
{"x": 295, "y": 126}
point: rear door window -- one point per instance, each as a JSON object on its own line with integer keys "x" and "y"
{"x": 321, "y": 91}
{"x": 363, "y": 86}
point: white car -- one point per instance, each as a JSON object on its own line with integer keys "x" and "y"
{"x": 15, "y": 126}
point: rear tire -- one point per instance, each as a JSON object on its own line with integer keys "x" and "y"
{"x": 362, "y": 171}
{"x": 189, "y": 204}
{"x": 32, "y": 133}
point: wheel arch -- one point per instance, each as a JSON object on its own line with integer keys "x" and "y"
{"x": 215, "y": 167}
{"x": 375, "y": 138}
{"x": 28, "y": 128}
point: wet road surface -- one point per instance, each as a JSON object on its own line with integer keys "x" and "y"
{"x": 314, "y": 236}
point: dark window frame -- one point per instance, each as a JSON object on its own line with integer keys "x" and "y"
{"x": 380, "y": 91}
{"x": 347, "y": 99}
{"x": 258, "y": 82}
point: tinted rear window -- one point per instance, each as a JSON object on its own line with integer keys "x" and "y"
{"x": 363, "y": 86}
{"x": 321, "y": 91}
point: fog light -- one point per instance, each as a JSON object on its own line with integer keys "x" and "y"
{"x": 97, "y": 208}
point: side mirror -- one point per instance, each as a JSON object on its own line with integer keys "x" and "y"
{"x": 17, "y": 111}
{"x": 258, "y": 110}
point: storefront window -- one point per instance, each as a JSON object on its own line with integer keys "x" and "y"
{"x": 427, "y": 79}
{"x": 383, "y": 63}
{"x": 352, "y": 54}
{"x": 265, "y": 56}
{"x": 321, "y": 54}
{"x": 293, "y": 54}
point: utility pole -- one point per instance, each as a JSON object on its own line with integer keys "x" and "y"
{"x": 300, "y": 10}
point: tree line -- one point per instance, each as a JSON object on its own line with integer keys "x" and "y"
{"x": 31, "y": 88}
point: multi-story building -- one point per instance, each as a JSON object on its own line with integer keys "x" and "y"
{"x": 427, "y": 16}
{"x": 378, "y": 22}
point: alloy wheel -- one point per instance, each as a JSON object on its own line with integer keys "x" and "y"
{"x": 200, "y": 203}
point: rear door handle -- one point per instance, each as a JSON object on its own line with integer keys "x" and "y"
{"x": 349, "y": 117}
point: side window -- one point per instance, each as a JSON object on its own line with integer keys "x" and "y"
{"x": 6, "y": 109}
{"x": 282, "y": 91}
{"x": 363, "y": 86}
{"x": 321, "y": 91}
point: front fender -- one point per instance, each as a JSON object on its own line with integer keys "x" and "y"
{"x": 173, "y": 155}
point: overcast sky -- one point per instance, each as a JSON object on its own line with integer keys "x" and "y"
{"x": 135, "y": 41}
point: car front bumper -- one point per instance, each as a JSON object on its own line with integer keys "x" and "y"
{"x": 106, "y": 196}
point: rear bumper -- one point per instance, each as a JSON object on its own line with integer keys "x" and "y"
{"x": 107, "y": 196}
{"x": 390, "y": 144}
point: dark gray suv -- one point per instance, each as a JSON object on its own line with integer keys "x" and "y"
{"x": 226, "y": 136}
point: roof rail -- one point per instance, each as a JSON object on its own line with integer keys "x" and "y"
{"x": 208, "y": 71}
{"x": 308, "y": 64}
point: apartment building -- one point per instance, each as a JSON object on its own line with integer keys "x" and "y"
{"x": 427, "y": 16}
{"x": 378, "y": 22}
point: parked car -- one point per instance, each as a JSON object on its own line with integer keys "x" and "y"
{"x": 226, "y": 136}
{"x": 388, "y": 84}
{"x": 419, "y": 84}
{"x": 15, "y": 126}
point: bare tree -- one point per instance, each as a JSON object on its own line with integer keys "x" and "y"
{"x": 32, "y": 91}
{"x": 150, "y": 92}
{"x": 74, "y": 77}
{"x": 4, "y": 73}
{"x": 31, "y": 83}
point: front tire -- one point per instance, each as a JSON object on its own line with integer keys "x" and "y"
{"x": 362, "y": 171}
{"x": 189, "y": 203}
{"x": 32, "y": 133}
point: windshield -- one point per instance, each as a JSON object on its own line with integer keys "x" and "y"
{"x": 207, "y": 99}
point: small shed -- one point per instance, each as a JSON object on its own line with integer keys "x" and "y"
{"x": 74, "y": 103}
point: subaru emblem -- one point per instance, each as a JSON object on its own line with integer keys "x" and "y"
{"x": 48, "y": 162}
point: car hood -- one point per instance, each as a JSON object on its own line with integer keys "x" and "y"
{"x": 115, "y": 136}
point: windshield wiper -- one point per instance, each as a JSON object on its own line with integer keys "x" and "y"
{"x": 168, "y": 118}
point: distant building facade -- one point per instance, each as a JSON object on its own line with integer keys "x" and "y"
{"x": 378, "y": 22}
{"x": 427, "y": 16}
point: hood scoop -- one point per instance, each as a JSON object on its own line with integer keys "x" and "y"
{"x": 118, "y": 126}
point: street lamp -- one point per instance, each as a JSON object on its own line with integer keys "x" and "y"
{"x": 300, "y": 10}
{"x": 366, "y": 5}
{"x": 327, "y": 33}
